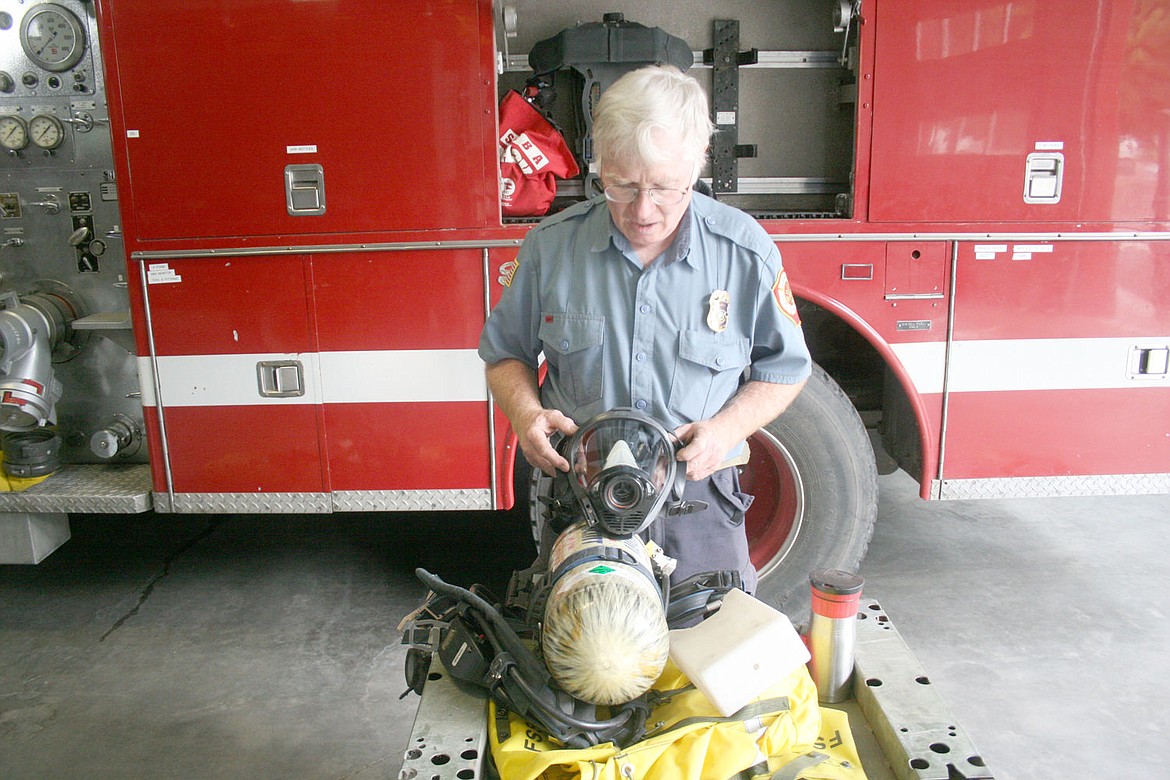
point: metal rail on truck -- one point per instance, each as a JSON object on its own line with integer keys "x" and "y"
{"x": 900, "y": 724}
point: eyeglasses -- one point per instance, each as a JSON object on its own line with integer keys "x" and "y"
{"x": 663, "y": 196}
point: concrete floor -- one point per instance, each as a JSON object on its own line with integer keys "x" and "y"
{"x": 265, "y": 647}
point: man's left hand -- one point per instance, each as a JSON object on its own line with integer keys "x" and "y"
{"x": 707, "y": 444}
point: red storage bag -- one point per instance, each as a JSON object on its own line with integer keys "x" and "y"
{"x": 532, "y": 155}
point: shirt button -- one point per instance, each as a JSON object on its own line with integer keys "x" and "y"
{"x": 639, "y": 404}
{"x": 564, "y": 343}
{"x": 645, "y": 308}
{"x": 718, "y": 361}
{"x": 710, "y": 220}
{"x": 640, "y": 357}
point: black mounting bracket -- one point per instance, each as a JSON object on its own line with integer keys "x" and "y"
{"x": 725, "y": 58}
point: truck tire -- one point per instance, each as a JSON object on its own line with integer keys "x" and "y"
{"x": 814, "y": 478}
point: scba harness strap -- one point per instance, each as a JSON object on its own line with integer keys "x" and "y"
{"x": 479, "y": 646}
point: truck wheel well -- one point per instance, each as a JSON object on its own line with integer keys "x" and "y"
{"x": 862, "y": 372}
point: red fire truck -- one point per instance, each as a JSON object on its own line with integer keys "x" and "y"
{"x": 259, "y": 239}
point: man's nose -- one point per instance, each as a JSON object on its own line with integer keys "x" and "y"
{"x": 643, "y": 203}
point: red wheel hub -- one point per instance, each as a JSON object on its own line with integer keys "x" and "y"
{"x": 775, "y": 517}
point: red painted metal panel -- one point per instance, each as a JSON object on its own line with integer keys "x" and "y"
{"x": 965, "y": 91}
{"x": 158, "y": 472}
{"x": 1076, "y": 290}
{"x": 415, "y": 446}
{"x": 426, "y": 299}
{"x": 851, "y": 279}
{"x": 226, "y": 306}
{"x": 244, "y": 449}
{"x": 218, "y": 97}
{"x": 1058, "y": 433}
{"x": 916, "y": 268}
{"x": 405, "y": 300}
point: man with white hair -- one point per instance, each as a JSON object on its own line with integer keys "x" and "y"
{"x": 657, "y": 298}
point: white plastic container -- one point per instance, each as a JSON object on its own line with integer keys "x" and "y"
{"x": 739, "y": 652}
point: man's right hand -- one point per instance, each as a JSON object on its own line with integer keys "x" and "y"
{"x": 534, "y": 431}
{"x": 513, "y": 385}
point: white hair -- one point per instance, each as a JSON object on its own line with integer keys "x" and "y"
{"x": 645, "y": 105}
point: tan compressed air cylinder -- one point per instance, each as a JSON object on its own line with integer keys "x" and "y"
{"x": 604, "y": 636}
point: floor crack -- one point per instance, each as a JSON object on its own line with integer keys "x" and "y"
{"x": 148, "y": 589}
{"x": 361, "y": 769}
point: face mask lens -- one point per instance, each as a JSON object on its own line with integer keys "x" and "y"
{"x": 622, "y": 468}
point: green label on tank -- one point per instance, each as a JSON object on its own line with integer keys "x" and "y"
{"x": 601, "y": 568}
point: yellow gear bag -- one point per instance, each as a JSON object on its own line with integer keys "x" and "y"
{"x": 686, "y": 738}
{"x": 832, "y": 757}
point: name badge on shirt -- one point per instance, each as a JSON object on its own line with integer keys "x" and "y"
{"x": 717, "y": 307}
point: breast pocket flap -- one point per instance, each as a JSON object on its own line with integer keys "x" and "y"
{"x": 714, "y": 352}
{"x": 568, "y": 334}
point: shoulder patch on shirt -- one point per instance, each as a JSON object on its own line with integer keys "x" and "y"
{"x": 507, "y": 272}
{"x": 785, "y": 300}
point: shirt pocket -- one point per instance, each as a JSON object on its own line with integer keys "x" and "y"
{"x": 574, "y": 346}
{"x": 707, "y": 372}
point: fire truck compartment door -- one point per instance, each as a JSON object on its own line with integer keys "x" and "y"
{"x": 1058, "y": 373}
{"x": 396, "y": 102}
{"x": 1008, "y": 112}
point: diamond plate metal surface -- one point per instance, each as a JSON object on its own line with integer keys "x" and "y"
{"x": 120, "y": 489}
{"x": 324, "y": 503}
{"x": 243, "y": 503}
{"x": 1039, "y": 487}
{"x": 412, "y": 500}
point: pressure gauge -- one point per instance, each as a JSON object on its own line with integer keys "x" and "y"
{"x": 46, "y": 131}
{"x": 52, "y": 37}
{"x": 13, "y": 133}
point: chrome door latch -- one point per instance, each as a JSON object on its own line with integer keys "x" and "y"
{"x": 280, "y": 378}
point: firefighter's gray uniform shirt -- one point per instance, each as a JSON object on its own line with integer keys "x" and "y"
{"x": 615, "y": 334}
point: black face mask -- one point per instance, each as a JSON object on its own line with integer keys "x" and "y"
{"x": 622, "y": 469}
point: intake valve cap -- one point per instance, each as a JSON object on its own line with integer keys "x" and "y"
{"x": 604, "y": 637}
{"x": 30, "y": 454}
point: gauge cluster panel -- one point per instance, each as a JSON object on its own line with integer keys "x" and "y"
{"x": 59, "y": 211}
{"x": 50, "y": 85}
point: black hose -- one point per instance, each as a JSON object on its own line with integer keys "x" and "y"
{"x": 503, "y": 632}
{"x": 556, "y": 714}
